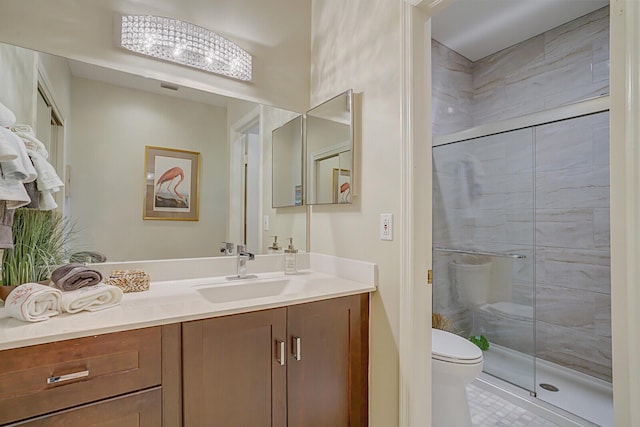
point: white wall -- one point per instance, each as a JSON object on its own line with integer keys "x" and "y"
{"x": 357, "y": 44}
{"x": 111, "y": 126}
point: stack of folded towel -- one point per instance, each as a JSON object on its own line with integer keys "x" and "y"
{"x": 74, "y": 288}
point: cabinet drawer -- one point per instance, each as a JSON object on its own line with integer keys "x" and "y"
{"x": 141, "y": 409}
{"x": 45, "y": 378}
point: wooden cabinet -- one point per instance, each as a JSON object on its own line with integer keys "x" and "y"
{"x": 328, "y": 363}
{"x": 235, "y": 372}
{"x": 48, "y": 379}
{"x": 231, "y": 372}
{"x": 300, "y": 366}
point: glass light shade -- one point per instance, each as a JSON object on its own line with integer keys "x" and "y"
{"x": 186, "y": 44}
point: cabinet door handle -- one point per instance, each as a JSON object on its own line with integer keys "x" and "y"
{"x": 297, "y": 350}
{"x": 281, "y": 352}
{"x": 67, "y": 377}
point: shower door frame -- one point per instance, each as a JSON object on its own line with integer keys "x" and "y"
{"x": 569, "y": 112}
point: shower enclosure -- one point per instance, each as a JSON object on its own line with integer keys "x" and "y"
{"x": 521, "y": 251}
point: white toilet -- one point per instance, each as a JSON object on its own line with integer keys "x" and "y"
{"x": 455, "y": 362}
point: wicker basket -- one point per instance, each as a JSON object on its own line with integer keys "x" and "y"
{"x": 130, "y": 280}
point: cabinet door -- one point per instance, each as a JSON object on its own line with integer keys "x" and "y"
{"x": 141, "y": 409}
{"x": 232, "y": 373}
{"x": 328, "y": 363}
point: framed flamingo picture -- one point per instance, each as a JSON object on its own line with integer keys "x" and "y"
{"x": 171, "y": 184}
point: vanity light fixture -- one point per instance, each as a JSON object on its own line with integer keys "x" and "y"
{"x": 184, "y": 43}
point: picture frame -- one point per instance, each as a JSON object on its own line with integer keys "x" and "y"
{"x": 171, "y": 184}
{"x": 341, "y": 186}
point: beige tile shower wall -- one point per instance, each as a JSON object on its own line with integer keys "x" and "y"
{"x": 564, "y": 65}
{"x": 452, "y": 92}
{"x": 561, "y": 66}
{"x": 573, "y": 285}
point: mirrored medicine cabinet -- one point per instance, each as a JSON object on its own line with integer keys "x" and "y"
{"x": 324, "y": 138}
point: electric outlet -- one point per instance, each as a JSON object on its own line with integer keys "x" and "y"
{"x": 265, "y": 223}
{"x": 386, "y": 226}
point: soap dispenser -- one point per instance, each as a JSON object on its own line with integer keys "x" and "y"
{"x": 274, "y": 248}
{"x": 290, "y": 262}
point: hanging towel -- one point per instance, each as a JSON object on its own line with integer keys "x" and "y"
{"x": 30, "y": 141}
{"x": 91, "y": 298}
{"x": 48, "y": 179}
{"x": 470, "y": 173}
{"x": 33, "y": 302}
{"x": 46, "y": 202}
{"x": 34, "y": 195}
{"x": 20, "y": 168}
{"x": 6, "y": 226}
{"x": 70, "y": 277}
{"x": 7, "y": 150}
{"x": 7, "y": 118}
{"x": 13, "y": 192}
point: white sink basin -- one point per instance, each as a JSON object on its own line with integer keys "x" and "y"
{"x": 229, "y": 292}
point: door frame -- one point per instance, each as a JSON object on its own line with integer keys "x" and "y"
{"x": 237, "y": 132}
{"x": 624, "y": 42}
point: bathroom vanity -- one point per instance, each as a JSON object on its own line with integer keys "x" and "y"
{"x": 271, "y": 351}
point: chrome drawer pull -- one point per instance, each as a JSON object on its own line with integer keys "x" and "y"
{"x": 297, "y": 348}
{"x": 281, "y": 353}
{"x": 67, "y": 377}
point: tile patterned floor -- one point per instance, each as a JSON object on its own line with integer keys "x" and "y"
{"x": 487, "y": 409}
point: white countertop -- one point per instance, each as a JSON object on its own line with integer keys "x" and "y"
{"x": 178, "y": 301}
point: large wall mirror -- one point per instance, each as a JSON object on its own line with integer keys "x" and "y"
{"x": 104, "y": 120}
{"x": 329, "y": 151}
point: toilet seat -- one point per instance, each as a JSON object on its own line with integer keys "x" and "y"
{"x": 451, "y": 348}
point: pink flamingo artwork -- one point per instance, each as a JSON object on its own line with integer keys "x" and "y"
{"x": 345, "y": 192}
{"x": 169, "y": 176}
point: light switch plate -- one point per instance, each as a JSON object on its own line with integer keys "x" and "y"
{"x": 265, "y": 223}
{"x": 386, "y": 226}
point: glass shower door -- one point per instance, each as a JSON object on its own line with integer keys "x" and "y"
{"x": 483, "y": 259}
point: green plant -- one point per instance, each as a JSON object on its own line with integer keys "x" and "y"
{"x": 39, "y": 239}
{"x": 481, "y": 341}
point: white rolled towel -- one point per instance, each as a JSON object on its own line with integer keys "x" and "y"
{"x": 91, "y": 298}
{"x": 7, "y": 150}
{"x": 7, "y": 118}
{"x": 33, "y": 302}
{"x": 31, "y": 142}
{"x": 20, "y": 168}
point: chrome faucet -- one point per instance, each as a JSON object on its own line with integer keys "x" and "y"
{"x": 241, "y": 262}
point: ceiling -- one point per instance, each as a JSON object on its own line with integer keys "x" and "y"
{"x": 132, "y": 81}
{"x": 478, "y": 28}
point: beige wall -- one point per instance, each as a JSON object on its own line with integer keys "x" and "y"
{"x": 18, "y": 74}
{"x": 57, "y": 74}
{"x": 357, "y": 44}
{"x": 111, "y": 126}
